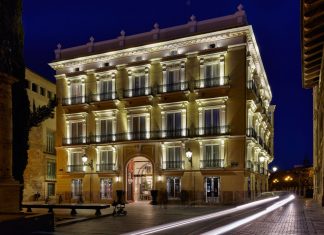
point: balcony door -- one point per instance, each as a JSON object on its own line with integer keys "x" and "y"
{"x": 139, "y": 85}
{"x": 76, "y": 92}
{"x": 173, "y": 124}
{"x": 173, "y": 80}
{"x": 212, "y": 121}
{"x": 212, "y": 75}
{"x": 106, "y": 90}
{"x": 138, "y": 128}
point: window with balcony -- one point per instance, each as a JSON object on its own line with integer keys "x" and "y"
{"x": 213, "y": 122}
{"x": 173, "y": 124}
{"x": 138, "y": 128}
{"x": 212, "y": 75}
{"x": 76, "y": 188}
{"x": 212, "y": 157}
{"x": 107, "y": 91}
{"x": 212, "y": 72}
{"x": 75, "y": 162}
{"x": 106, "y": 190}
{"x": 76, "y": 133}
{"x": 106, "y": 130}
{"x": 173, "y": 187}
{"x": 107, "y": 162}
{"x": 138, "y": 83}
{"x": 173, "y": 80}
{"x": 173, "y": 158}
{"x": 173, "y": 77}
{"x": 76, "y": 93}
{"x": 51, "y": 170}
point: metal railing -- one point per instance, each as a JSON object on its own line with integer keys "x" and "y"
{"x": 212, "y": 82}
{"x": 104, "y": 96}
{"x": 137, "y": 92}
{"x": 75, "y": 168}
{"x": 212, "y": 163}
{"x": 180, "y": 86}
{"x": 214, "y": 130}
{"x": 173, "y": 165}
{"x": 75, "y": 140}
{"x": 74, "y": 100}
{"x": 106, "y": 167}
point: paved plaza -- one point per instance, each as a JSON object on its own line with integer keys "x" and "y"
{"x": 302, "y": 216}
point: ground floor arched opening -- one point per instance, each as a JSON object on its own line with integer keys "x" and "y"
{"x": 139, "y": 179}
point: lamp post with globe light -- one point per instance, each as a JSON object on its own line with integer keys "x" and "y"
{"x": 189, "y": 157}
{"x": 89, "y": 164}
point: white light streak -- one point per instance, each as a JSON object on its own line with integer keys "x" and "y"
{"x": 190, "y": 221}
{"x": 246, "y": 220}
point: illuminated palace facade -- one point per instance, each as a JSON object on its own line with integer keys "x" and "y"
{"x": 135, "y": 106}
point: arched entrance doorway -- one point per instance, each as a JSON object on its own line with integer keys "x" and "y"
{"x": 139, "y": 175}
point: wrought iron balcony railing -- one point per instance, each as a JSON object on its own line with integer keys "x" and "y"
{"x": 74, "y": 100}
{"x": 104, "y": 167}
{"x": 251, "y": 132}
{"x": 104, "y": 96}
{"x": 212, "y": 163}
{"x": 75, "y": 140}
{"x": 137, "y": 92}
{"x": 173, "y": 165}
{"x": 212, "y": 82}
{"x": 165, "y": 134}
{"x": 180, "y": 86}
{"x": 214, "y": 130}
{"x": 75, "y": 168}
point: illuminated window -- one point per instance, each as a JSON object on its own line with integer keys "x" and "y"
{"x": 51, "y": 170}
{"x": 106, "y": 161}
{"x": 173, "y": 158}
{"x": 106, "y": 188}
{"x": 173, "y": 124}
{"x": 212, "y": 156}
{"x": 76, "y": 188}
{"x": 173, "y": 187}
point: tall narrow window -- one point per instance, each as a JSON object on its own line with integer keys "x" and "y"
{"x": 106, "y": 130}
{"x": 106, "y": 90}
{"x": 212, "y": 121}
{"x": 51, "y": 170}
{"x": 173, "y": 124}
{"x": 173, "y": 187}
{"x": 173, "y": 158}
{"x": 106, "y": 161}
{"x": 212, "y": 75}
{"x": 138, "y": 127}
{"x": 76, "y": 188}
{"x": 212, "y": 156}
{"x": 50, "y": 142}
{"x": 139, "y": 85}
{"x": 50, "y": 189}
{"x": 76, "y": 164}
{"x": 173, "y": 80}
{"x": 77, "y": 133}
{"x": 106, "y": 188}
{"x": 76, "y": 93}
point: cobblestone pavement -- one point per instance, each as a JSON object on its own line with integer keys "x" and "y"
{"x": 302, "y": 216}
{"x": 299, "y": 217}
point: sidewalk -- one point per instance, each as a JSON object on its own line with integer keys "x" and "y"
{"x": 314, "y": 214}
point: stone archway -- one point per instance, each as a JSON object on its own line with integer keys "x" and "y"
{"x": 139, "y": 179}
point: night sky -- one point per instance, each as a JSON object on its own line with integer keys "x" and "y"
{"x": 276, "y": 25}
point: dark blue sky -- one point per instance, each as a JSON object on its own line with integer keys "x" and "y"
{"x": 276, "y": 25}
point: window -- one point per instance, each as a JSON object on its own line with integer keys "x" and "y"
{"x": 138, "y": 127}
{"x": 28, "y": 84}
{"x": 34, "y": 87}
{"x": 106, "y": 161}
{"x": 77, "y": 133}
{"x": 51, "y": 170}
{"x": 212, "y": 189}
{"x": 42, "y": 91}
{"x": 139, "y": 84}
{"x": 212, "y": 74}
{"x": 50, "y": 189}
{"x": 76, "y": 92}
{"x": 76, "y": 164}
{"x": 212, "y": 157}
{"x": 76, "y": 188}
{"x": 173, "y": 158}
{"x": 173, "y": 124}
{"x": 173, "y": 187}
{"x": 173, "y": 80}
{"x": 106, "y": 90}
{"x": 50, "y": 141}
{"x": 106, "y": 188}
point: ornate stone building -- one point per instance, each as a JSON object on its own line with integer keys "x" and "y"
{"x": 40, "y": 172}
{"x": 312, "y": 39}
{"x": 186, "y": 110}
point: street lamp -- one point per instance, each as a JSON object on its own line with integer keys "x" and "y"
{"x": 274, "y": 169}
{"x": 89, "y": 164}
{"x": 189, "y": 157}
